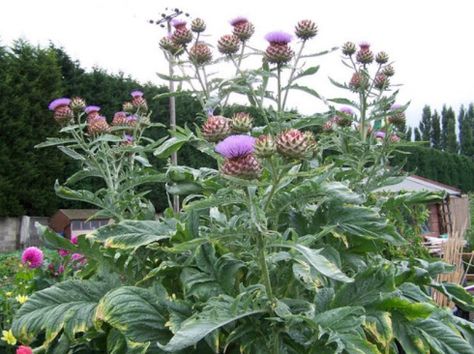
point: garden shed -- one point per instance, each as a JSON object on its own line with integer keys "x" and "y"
{"x": 455, "y": 205}
{"x": 74, "y": 222}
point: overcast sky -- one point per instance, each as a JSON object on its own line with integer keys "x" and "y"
{"x": 431, "y": 42}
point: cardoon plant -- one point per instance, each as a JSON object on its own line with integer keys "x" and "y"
{"x": 288, "y": 247}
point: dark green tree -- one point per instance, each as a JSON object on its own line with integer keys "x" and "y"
{"x": 409, "y": 134}
{"x": 435, "y": 131}
{"x": 444, "y": 127}
{"x": 465, "y": 132}
{"x": 425, "y": 124}
{"x": 417, "y": 134}
{"x": 451, "y": 137}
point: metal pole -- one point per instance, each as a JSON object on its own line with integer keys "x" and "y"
{"x": 172, "y": 105}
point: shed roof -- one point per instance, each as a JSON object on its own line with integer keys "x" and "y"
{"x": 78, "y": 214}
{"x": 417, "y": 183}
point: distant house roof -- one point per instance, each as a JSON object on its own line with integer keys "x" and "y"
{"x": 417, "y": 183}
{"x": 78, "y": 214}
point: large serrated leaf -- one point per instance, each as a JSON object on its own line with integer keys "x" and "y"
{"x": 68, "y": 306}
{"x": 136, "y": 312}
{"x": 216, "y": 314}
{"x": 129, "y": 234}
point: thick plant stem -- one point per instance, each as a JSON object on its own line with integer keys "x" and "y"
{"x": 279, "y": 87}
{"x": 263, "y": 265}
{"x": 239, "y": 63}
{"x": 292, "y": 74}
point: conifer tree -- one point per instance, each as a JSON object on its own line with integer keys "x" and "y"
{"x": 444, "y": 127}
{"x": 451, "y": 137}
{"x": 435, "y": 131}
{"x": 417, "y": 134}
{"x": 425, "y": 124}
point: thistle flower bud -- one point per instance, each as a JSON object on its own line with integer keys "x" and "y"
{"x": 348, "y": 48}
{"x": 200, "y": 54}
{"x": 246, "y": 167}
{"x": 381, "y": 81}
{"x": 120, "y": 119}
{"x": 394, "y": 138}
{"x": 310, "y": 140}
{"x": 344, "y": 118}
{"x": 182, "y": 36}
{"x": 243, "y": 29}
{"x": 358, "y": 82}
{"x": 381, "y": 58}
{"x": 264, "y": 146}
{"x": 292, "y": 144}
{"x": 388, "y": 71}
{"x": 306, "y": 29}
{"x": 138, "y": 101}
{"x": 241, "y": 122}
{"x": 278, "y": 53}
{"x": 97, "y": 125}
{"x": 397, "y": 116}
{"x": 228, "y": 44}
{"x": 216, "y": 128}
{"x": 128, "y": 107}
{"x": 198, "y": 25}
{"x": 364, "y": 55}
{"x": 77, "y": 104}
{"x": 328, "y": 126}
{"x": 167, "y": 44}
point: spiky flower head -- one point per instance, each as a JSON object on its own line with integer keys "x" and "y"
{"x": 138, "y": 101}
{"x": 198, "y": 25}
{"x": 344, "y": 118}
{"x": 328, "y": 126}
{"x": 394, "y": 138}
{"x": 310, "y": 140}
{"x": 128, "y": 107}
{"x": 241, "y": 122}
{"x": 216, "y": 128}
{"x": 364, "y": 55}
{"x": 178, "y": 23}
{"x": 120, "y": 119}
{"x": 388, "y": 71}
{"x": 97, "y": 125}
{"x": 293, "y": 144}
{"x": 397, "y": 116}
{"x": 228, "y": 44}
{"x": 348, "y": 48}
{"x": 381, "y": 58}
{"x": 200, "y": 54}
{"x": 235, "y": 146}
{"x": 182, "y": 36}
{"x": 278, "y": 52}
{"x": 246, "y": 167}
{"x": 167, "y": 44}
{"x": 306, "y": 29}
{"x": 32, "y": 257}
{"x": 77, "y": 104}
{"x": 243, "y": 29}
{"x": 264, "y": 146}
{"x": 132, "y": 120}
{"x": 381, "y": 81}
{"x": 62, "y": 112}
{"x": 358, "y": 82}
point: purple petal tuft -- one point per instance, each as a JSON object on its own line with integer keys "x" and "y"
{"x": 58, "y": 102}
{"x": 238, "y": 20}
{"x": 347, "y": 110}
{"x": 90, "y": 109}
{"x": 380, "y": 134}
{"x": 136, "y": 93}
{"x": 278, "y": 37}
{"x": 178, "y": 22}
{"x": 235, "y": 146}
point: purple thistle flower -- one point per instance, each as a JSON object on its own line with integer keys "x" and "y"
{"x": 132, "y": 118}
{"x": 235, "y": 146}
{"x": 74, "y": 239}
{"x": 128, "y": 138}
{"x": 33, "y": 257}
{"x": 347, "y": 110}
{"x": 395, "y": 107}
{"x": 178, "y": 22}
{"x": 58, "y": 102}
{"x": 379, "y": 135}
{"x": 278, "y": 37}
{"x": 77, "y": 256}
{"x": 364, "y": 45}
{"x": 238, "y": 20}
{"x": 136, "y": 93}
{"x": 62, "y": 252}
{"x": 90, "y": 109}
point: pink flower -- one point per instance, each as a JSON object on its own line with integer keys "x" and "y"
{"x": 62, "y": 252}
{"x": 23, "y": 349}
{"x": 60, "y": 269}
{"x": 74, "y": 239}
{"x": 33, "y": 257}
{"x": 77, "y": 257}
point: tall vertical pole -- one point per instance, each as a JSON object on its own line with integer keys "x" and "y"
{"x": 172, "y": 103}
